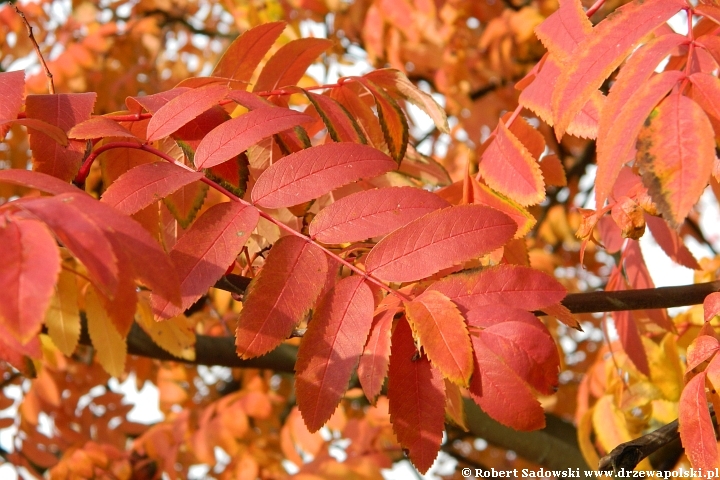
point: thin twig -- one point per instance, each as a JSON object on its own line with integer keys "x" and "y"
{"x": 48, "y": 74}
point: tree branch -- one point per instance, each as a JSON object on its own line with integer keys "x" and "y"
{"x": 588, "y": 302}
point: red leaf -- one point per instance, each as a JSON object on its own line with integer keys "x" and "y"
{"x": 630, "y": 340}
{"x": 610, "y": 234}
{"x": 508, "y": 167}
{"x": 439, "y": 240}
{"x": 417, "y": 400}
{"x": 441, "y": 332}
{"x": 676, "y": 153}
{"x": 706, "y": 92}
{"x": 511, "y": 285}
{"x": 245, "y": 52}
{"x": 154, "y": 102}
{"x": 182, "y": 109}
{"x": 280, "y": 296}
{"x": 341, "y": 126}
{"x": 64, "y": 110}
{"x": 331, "y": 348}
{"x": 287, "y": 66}
{"x": 99, "y": 127}
{"x": 38, "y": 126}
{"x": 616, "y": 148}
{"x": 202, "y": 255}
{"x": 670, "y": 242}
{"x": 501, "y": 393}
{"x": 711, "y": 306}
{"x": 639, "y": 277}
{"x": 81, "y": 234}
{"x": 603, "y": 51}
{"x": 308, "y": 174}
{"x": 522, "y": 341}
{"x": 237, "y": 135}
{"x": 12, "y": 89}
{"x": 372, "y": 213}
{"x": 148, "y": 260}
{"x": 695, "y": 425}
{"x": 29, "y": 266}
{"x": 145, "y": 185}
{"x": 392, "y": 120}
{"x": 373, "y": 365}
{"x": 702, "y": 349}
{"x": 39, "y": 181}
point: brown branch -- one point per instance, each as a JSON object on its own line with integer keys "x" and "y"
{"x": 627, "y": 455}
{"x": 48, "y": 74}
{"x": 588, "y": 302}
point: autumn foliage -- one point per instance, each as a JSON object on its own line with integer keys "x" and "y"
{"x": 182, "y": 199}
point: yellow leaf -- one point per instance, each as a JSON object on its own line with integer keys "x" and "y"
{"x": 109, "y": 344}
{"x": 174, "y": 335}
{"x": 584, "y": 441}
{"x": 63, "y": 317}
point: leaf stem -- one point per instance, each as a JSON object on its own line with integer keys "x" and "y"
{"x": 596, "y": 6}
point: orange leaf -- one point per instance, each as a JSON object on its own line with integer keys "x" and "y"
{"x": 639, "y": 68}
{"x": 616, "y": 148}
{"x": 676, "y": 153}
{"x": 564, "y": 29}
{"x": 341, "y": 126}
{"x": 287, "y": 66}
{"x": 417, "y": 399}
{"x": 98, "y": 127}
{"x": 280, "y": 296}
{"x": 392, "y": 120}
{"x": 695, "y": 425}
{"x": 508, "y": 167}
{"x": 440, "y": 330}
{"x": 484, "y": 195}
{"x": 553, "y": 171}
{"x": 245, "y": 52}
{"x": 439, "y": 240}
{"x": 395, "y": 81}
{"x": 331, "y": 348}
{"x": 603, "y": 51}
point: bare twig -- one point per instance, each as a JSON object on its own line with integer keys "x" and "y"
{"x": 48, "y": 74}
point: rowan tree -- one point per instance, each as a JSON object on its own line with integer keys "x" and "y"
{"x": 436, "y": 252}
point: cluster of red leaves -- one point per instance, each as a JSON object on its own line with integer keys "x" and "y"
{"x": 439, "y": 300}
